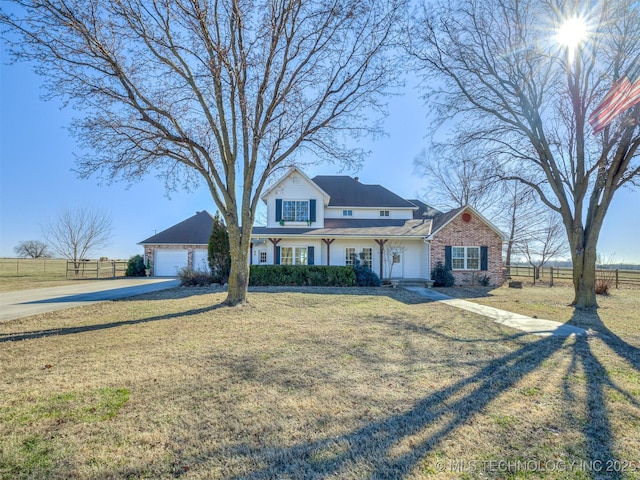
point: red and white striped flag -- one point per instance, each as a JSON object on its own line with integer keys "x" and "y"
{"x": 624, "y": 94}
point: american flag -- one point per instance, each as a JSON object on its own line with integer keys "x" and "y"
{"x": 624, "y": 94}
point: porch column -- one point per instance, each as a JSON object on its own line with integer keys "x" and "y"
{"x": 381, "y": 245}
{"x": 328, "y": 242}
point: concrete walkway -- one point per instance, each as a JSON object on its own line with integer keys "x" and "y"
{"x": 24, "y": 303}
{"x": 536, "y": 326}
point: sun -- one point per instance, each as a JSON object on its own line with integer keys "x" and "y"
{"x": 572, "y": 32}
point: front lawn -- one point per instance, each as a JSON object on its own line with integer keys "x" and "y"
{"x": 310, "y": 383}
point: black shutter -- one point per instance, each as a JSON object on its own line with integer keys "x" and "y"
{"x": 310, "y": 256}
{"x": 278, "y": 209}
{"x": 447, "y": 257}
{"x": 277, "y": 259}
{"x": 312, "y": 210}
{"x": 484, "y": 258}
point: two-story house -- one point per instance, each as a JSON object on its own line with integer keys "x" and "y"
{"x": 334, "y": 220}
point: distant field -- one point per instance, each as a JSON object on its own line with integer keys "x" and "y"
{"x": 27, "y": 273}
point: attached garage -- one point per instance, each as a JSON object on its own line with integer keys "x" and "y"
{"x": 168, "y": 262}
{"x": 200, "y": 260}
{"x": 182, "y": 245}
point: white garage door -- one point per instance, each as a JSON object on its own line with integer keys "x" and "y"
{"x": 168, "y": 262}
{"x": 200, "y": 261}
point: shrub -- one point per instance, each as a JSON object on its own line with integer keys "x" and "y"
{"x": 484, "y": 280}
{"x": 194, "y": 278}
{"x": 312, "y": 275}
{"x": 135, "y": 267}
{"x": 605, "y": 280}
{"x": 365, "y": 277}
{"x": 442, "y": 276}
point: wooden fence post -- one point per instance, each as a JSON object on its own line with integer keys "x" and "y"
{"x": 617, "y": 278}
{"x": 551, "y": 276}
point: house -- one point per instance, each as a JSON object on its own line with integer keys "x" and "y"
{"x": 336, "y": 220}
{"x": 184, "y": 244}
{"x": 333, "y": 220}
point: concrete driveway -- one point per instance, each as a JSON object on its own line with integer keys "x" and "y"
{"x": 23, "y": 303}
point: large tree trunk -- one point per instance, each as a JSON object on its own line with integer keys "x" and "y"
{"x": 584, "y": 272}
{"x": 239, "y": 275}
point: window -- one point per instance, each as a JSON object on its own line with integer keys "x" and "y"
{"x": 286, "y": 256}
{"x": 366, "y": 255}
{"x": 347, "y": 213}
{"x": 350, "y": 256}
{"x": 465, "y": 258}
{"x": 301, "y": 256}
{"x": 263, "y": 257}
{"x": 293, "y": 255}
{"x": 295, "y": 210}
{"x": 384, "y": 213}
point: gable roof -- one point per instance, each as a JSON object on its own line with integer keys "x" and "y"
{"x": 346, "y": 191}
{"x": 440, "y": 221}
{"x": 291, "y": 171}
{"x": 194, "y": 230}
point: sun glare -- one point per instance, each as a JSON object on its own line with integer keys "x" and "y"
{"x": 572, "y": 32}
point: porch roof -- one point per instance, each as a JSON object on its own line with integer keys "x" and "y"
{"x": 337, "y": 227}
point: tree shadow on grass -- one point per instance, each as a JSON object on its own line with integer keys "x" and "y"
{"x": 32, "y": 335}
{"x": 371, "y": 447}
{"x": 591, "y": 319}
{"x": 597, "y": 429}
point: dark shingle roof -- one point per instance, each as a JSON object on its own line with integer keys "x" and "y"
{"x": 443, "y": 218}
{"x": 194, "y": 230}
{"x": 424, "y": 208}
{"x": 348, "y": 192}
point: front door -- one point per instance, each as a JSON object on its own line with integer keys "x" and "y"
{"x": 396, "y": 271}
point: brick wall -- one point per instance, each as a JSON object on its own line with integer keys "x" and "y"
{"x": 474, "y": 233}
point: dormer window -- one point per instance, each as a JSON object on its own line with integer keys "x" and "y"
{"x": 295, "y": 210}
{"x": 384, "y": 213}
{"x": 347, "y": 213}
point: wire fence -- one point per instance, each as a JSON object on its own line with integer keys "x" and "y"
{"x": 549, "y": 274}
{"x": 61, "y": 268}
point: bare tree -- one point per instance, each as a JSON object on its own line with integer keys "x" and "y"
{"x": 31, "y": 249}
{"x": 494, "y": 74}
{"x": 75, "y": 233}
{"x": 456, "y": 179}
{"x": 538, "y": 247}
{"x": 226, "y": 91}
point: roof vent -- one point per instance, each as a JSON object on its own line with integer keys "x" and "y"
{"x": 357, "y": 179}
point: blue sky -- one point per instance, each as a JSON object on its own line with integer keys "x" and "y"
{"x": 37, "y": 181}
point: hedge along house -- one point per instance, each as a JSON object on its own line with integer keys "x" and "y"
{"x": 332, "y": 220}
{"x": 182, "y": 245}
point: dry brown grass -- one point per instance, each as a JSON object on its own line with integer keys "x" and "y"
{"x": 307, "y": 383}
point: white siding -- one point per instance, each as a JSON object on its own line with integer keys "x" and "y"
{"x": 290, "y": 190}
{"x": 369, "y": 213}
